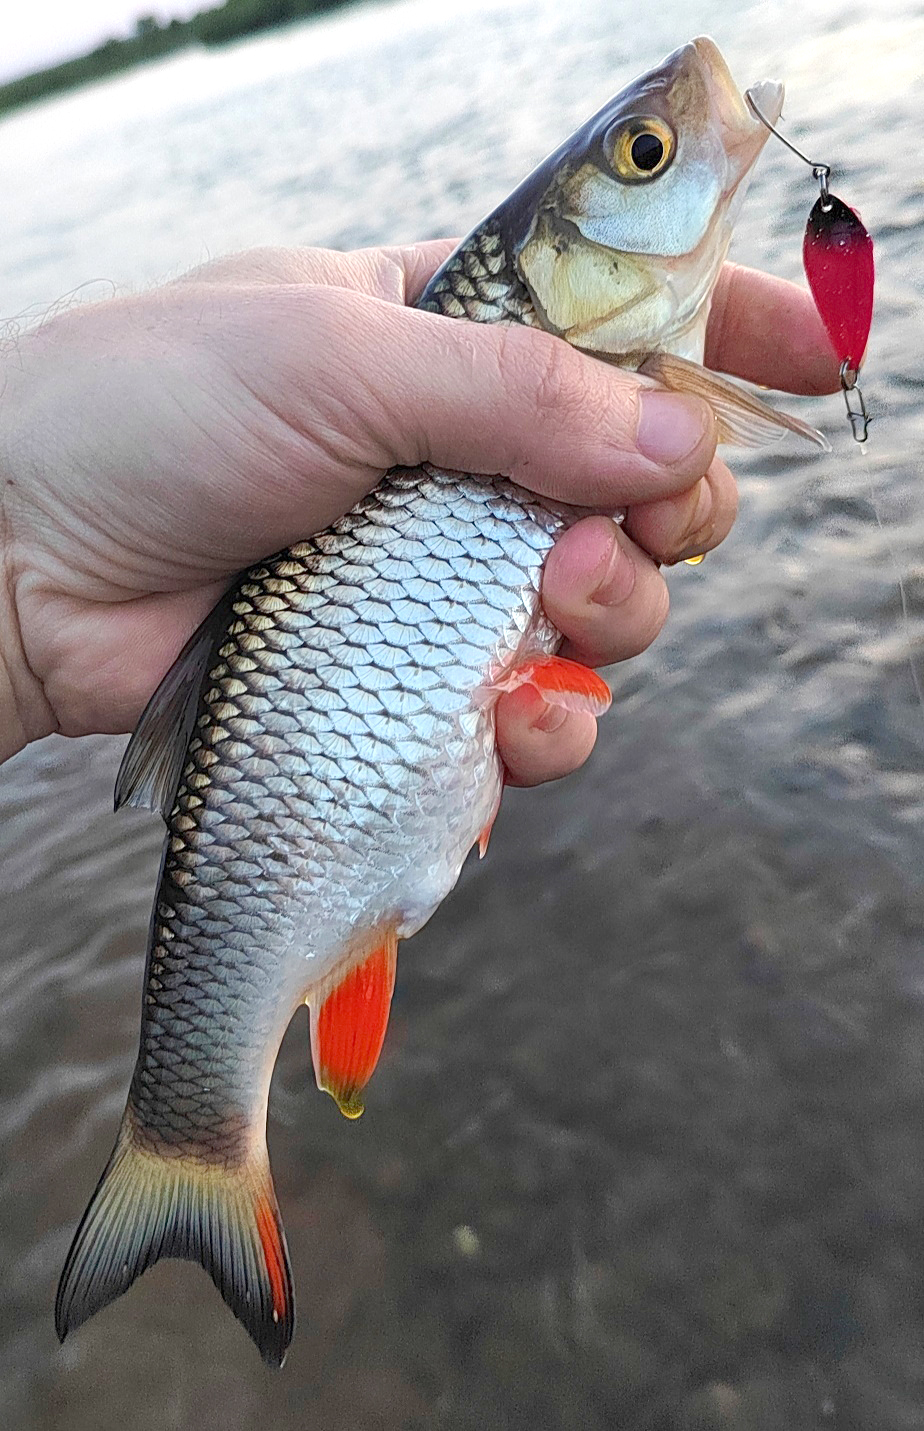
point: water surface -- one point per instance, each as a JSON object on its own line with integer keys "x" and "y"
{"x": 646, "y": 1146}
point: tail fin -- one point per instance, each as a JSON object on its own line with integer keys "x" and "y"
{"x": 146, "y": 1207}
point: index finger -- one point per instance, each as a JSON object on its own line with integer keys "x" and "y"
{"x": 768, "y": 331}
{"x": 418, "y": 262}
{"x": 398, "y": 274}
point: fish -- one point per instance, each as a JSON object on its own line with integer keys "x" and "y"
{"x": 323, "y": 750}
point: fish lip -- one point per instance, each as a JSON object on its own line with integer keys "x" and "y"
{"x": 743, "y": 135}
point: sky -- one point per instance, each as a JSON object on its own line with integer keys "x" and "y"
{"x": 42, "y": 32}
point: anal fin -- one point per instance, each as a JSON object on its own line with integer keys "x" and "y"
{"x": 348, "y": 1026}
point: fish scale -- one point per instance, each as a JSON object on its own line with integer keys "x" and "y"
{"x": 480, "y": 282}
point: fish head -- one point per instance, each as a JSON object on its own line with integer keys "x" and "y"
{"x": 620, "y": 235}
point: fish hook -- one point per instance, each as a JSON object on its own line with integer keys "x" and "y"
{"x": 822, "y": 172}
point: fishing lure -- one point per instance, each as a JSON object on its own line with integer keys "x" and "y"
{"x": 837, "y": 254}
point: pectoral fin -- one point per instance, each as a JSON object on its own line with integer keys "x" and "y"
{"x": 742, "y": 417}
{"x": 561, "y": 683}
{"x": 348, "y": 1024}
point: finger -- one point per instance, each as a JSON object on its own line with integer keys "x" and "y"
{"x": 557, "y": 421}
{"x": 397, "y": 274}
{"x": 418, "y": 262}
{"x": 539, "y": 742}
{"x": 768, "y": 331}
{"x": 398, "y": 386}
{"x": 604, "y": 594}
{"x": 276, "y": 266}
{"x": 690, "y": 524}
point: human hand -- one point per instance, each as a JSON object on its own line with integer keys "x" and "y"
{"x": 153, "y": 445}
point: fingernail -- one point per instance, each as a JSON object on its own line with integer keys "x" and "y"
{"x": 618, "y": 577}
{"x": 700, "y": 525}
{"x": 670, "y": 426}
{"x": 551, "y": 719}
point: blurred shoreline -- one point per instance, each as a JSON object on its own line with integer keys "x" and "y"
{"x": 216, "y": 25}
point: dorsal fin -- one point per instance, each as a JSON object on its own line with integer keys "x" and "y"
{"x": 153, "y": 761}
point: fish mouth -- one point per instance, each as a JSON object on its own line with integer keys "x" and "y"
{"x": 743, "y": 135}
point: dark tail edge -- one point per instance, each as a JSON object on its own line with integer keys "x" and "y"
{"x": 146, "y": 1207}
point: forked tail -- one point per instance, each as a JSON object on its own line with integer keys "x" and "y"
{"x": 146, "y": 1207}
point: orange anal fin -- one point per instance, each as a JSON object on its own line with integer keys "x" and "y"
{"x": 348, "y": 1028}
{"x": 561, "y": 683}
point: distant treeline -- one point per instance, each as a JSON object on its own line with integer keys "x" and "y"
{"x": 151, "y": 40}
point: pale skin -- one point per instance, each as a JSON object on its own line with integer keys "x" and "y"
{"x": 153, "y": 445}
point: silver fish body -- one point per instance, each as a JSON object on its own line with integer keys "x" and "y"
{"x": 323, "y": 751}
{"x": 342, "y": 766}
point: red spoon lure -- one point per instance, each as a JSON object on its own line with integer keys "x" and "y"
{"x": 837, "y": 253}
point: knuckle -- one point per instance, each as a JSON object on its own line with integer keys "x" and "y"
{"x": 559, "y": 382}
{"x": 703, "y": 536}
{"x": 560, "y": 390}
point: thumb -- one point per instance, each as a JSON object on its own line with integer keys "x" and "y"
{"x": 493, "y": 398}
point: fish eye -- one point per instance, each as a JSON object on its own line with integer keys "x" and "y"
{"x": 640, "y": 149}
{"x": 647, "y": 151}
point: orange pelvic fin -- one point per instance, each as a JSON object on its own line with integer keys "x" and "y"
{"x": 485, "y": 836}
{"x": 561, "y": 683}
{"x": 348, "y": 1026}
